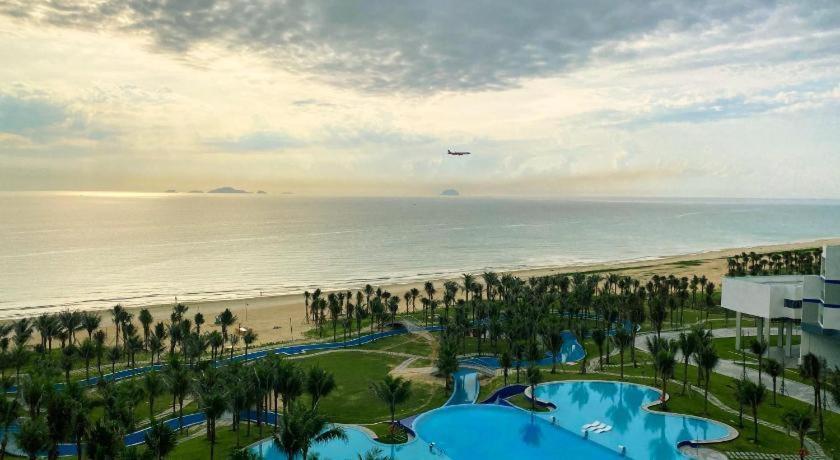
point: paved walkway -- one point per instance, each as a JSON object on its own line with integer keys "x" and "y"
{"x": 793, "y": 389}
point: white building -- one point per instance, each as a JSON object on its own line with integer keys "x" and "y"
{"x": 813, "y": 301}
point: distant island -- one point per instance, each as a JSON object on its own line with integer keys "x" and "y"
{"x": 260, "y": 192}
{"x": 196, "y": 191}
{"x": 450, "y": 192}
{"x": 227, "y": 190}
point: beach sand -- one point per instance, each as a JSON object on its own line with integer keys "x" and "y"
{"x": 282, "y": 318}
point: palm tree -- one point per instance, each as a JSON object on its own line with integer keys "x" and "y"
{"x": 688, "y": 344}
{"x": 812, "y": 369}
{"x": 306, "y": 297}
{"x": 234, "y": 339}
{"x": 66, "y": 361}
{"x": 506, "y": 362}
{"x": 90, "y": 322}
{"x": 86, "y": 351}
{"x": 759, "y": 347}
{"x": 117, "y": 314}
{"x": 160, "y": 439}
{"x": 753, "y": 395}
{"x": 600, "y": 337}
{"x": 180, "y": 385}
{"x": 335, "y": 310}
{"x": 249, "y": 337}
{"x": 319, "y": 383}
{"x": 198, "y": 320}
{"x": 154, "y": 385}
{"x": 665, "y": 364}
{"x": 622, "y": 340}
{"x": 9, "y": 411}
{"x": 534, "y": 377}
{"x": 290, "y": 383}
{"x": 226, "y": 320}
{"x": 99, "y": 348}
{"x": 415, "y": 293}
{"x": 156, "y": 346}
{"x": 214, "y": 405}
{"x": 33, "y": 436}
{"x": 114, "y": 355}
{"x": 554, "y": 340}
{"x": 774, "y": 370}
{"x": 392, "y": 391}
{"x": 706, "y": 359}
{"x": 447, "y": 360}
{"x": 301, "y": 428}
{"x": 146, "y": 320}
{"x": 799, "y": 421}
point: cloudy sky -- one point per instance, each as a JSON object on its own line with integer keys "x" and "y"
{"x": 659, "y": 98}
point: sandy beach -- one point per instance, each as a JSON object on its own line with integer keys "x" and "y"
{"x": 282, "y": 318}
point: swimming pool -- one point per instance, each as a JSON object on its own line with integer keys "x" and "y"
{"x": 469, "y": 431}
{"x": 571, "y": 351}
{"x": 645, "y": 434}
{"x": 464, "y": 432}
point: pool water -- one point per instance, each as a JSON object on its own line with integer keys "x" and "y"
{"x": 644, "y": 434}
{"x": 464, "y": 432}
{"x": 571, "y": 351}
{"x": 472, "y": 431}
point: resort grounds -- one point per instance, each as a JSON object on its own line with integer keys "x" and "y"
{"x": 514, "y": 318}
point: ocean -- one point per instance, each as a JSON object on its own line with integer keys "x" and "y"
{"x": 92, "y": 250}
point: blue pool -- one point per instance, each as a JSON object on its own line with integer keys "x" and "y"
{"x": 644, "y": 434}
{"x": 570, "y": 352}
{"x": 465, "y": 432}
{"x": 468, "y": 431}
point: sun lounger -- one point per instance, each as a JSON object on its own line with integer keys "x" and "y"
{"x": 590, "y": 425}
{"x": 603, "y": 429}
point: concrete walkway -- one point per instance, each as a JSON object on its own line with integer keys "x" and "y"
{"x": 793, "y": 389}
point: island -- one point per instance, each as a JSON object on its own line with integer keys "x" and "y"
{"x": 227, "y": 190}
{"x": 449, "y": 192}
{"x": 261, "y": 192}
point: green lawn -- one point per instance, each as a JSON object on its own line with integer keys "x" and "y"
{"x": 198, "y": 447}
{"x": 403, "y": 343}
{"x": 726, "y": 347}
{"x": 352, "y": 400}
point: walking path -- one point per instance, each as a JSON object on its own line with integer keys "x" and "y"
{"x": 793, "y": 389}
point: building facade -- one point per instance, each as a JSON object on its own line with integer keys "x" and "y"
{"x": 810, "y": 301}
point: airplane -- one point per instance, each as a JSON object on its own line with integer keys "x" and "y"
{"x": 449, "y": 152}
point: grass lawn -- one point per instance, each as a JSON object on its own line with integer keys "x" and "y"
{"x": 422, "y": 362}
{"x": 726, "y": 347}
{"x": 403, "y": 343}
{"x": 198, "y": 447}
{"x": 352, "y": 400}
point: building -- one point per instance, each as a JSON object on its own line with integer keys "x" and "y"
{"x": 810, "y": 301}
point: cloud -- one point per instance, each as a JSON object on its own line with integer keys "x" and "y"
{"x": 262, "y": 141}
{"x": 440, "y": 45}
{"x": 334, "y": 137}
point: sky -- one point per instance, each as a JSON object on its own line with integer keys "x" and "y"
{"x": 730, "y": 98}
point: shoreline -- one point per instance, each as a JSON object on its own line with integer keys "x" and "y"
{"x": 281, "y": 318}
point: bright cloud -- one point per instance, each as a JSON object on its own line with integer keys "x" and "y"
{"x": 554, "y": 98}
